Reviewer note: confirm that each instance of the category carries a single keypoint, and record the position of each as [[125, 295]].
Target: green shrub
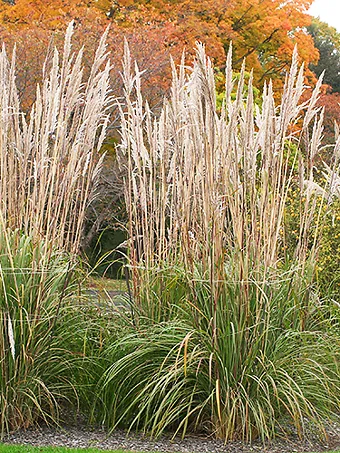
[[325, 229]]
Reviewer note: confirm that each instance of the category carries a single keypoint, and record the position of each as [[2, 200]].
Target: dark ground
[[82, 437]]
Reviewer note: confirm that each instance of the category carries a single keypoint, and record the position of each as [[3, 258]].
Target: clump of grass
[[51, 337], [237, 372], [35, 366], [48, 169], [228, 332]]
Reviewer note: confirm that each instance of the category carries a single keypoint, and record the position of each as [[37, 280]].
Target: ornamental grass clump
[[48, 167], [36, 367], [227, 334]]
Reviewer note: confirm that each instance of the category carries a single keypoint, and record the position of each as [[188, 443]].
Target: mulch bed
[[82, 437]]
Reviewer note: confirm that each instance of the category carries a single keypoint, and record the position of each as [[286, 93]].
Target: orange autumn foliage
[[263, 32], [36, 26], [331, 103]]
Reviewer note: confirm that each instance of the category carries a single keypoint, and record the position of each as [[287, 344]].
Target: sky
[[328, 11]]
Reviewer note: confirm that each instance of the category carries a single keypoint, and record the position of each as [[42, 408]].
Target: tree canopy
[[264, 32], [327, 41]]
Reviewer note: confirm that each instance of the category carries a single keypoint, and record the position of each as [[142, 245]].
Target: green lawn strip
[[108, 284], [32, 449]]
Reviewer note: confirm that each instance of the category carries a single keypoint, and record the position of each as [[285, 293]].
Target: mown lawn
[[107, 284]]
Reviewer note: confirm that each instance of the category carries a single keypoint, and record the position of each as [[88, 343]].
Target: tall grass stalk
[[206, 194], [48, 157], [204, 186]]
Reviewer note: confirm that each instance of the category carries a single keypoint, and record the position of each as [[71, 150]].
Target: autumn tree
[[331, 103], [327, 41], [37, 26], [263, 32]]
